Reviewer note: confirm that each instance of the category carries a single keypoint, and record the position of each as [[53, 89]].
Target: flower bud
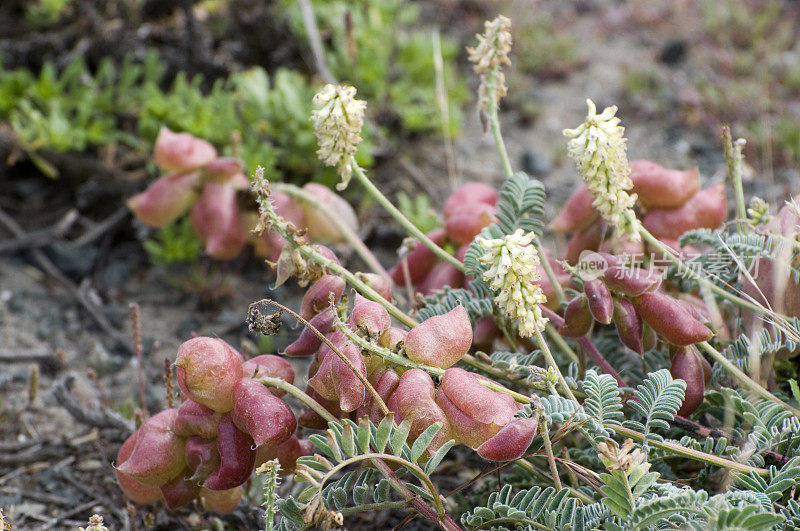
[[378, 283], [687, 367], [158, 454], [317, 296], [217, 221], [707, 209], [599, 299], [319, 225], [476, 413], [441, 340], [202, 456], [134, 490], [385, 382], [287, 453], [180, 490], [670, 319], [335, 381], [441, 275], [181, 152], [631, 281], [208, 369], [236, 455], [473, 193], [578, 213], [271, 366], [622, 244], [196, 419], [467, 220], [511, 441], [166, 199], [629, 325], [420, 261], [221, 501], [658, 187], [262, 415], [413, 400], [577, 317], [392, 338], [221, 169], [369, 317]]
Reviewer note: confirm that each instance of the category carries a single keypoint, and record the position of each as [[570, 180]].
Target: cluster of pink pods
[[670, 202], [468, 411], [209, 187], [227, 425]]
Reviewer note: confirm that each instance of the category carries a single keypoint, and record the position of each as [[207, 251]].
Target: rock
[[673, 52], [75, 262], [535, 164]]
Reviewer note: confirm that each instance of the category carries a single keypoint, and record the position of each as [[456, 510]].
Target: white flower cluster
[[597, 147], [513, 272], [488, 58], [337, 124]]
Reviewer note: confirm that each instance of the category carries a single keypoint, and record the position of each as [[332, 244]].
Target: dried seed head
[[626, 458], [337, 123], [488, 58], [95, 524], [513, 272], [597, 147]]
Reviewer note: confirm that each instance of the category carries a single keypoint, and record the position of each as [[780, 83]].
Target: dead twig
[[99, 418], [50, 268], [41, 237]]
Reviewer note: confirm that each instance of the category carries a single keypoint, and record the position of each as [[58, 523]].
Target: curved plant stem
[[552, 333], [494, 125], [344, 229], [402, 220], [548, 448], [362, 378], [690, 453], [744, 379], [548, 270], [296, 392]]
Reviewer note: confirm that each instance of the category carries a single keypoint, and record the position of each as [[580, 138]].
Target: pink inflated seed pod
[[158, 454], [269, 365], [261, 414], [166, 199], [196, 419], [578, 213], [392, 338], [577, 317], [236, 454], [369, 317], [707, 209], [599, 299], [467, 221], [287, 453], [180, 152], [317, 297], [320, 227], [658, 187], [180, 490], [511, 441], [134, 490], [441, 275], [217, 221], [474, 193], [687, 366], [336, 381], [202, 456], [378, 283], [222, 169], [442, 340], [208, 369], [475, 412], [670, 319], [413, 400], [629, 325]]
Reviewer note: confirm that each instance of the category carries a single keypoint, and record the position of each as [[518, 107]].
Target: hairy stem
[[344, 229], [402, 220], [548, 448]]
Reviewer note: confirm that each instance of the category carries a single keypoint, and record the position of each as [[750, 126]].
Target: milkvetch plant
[[609, 389]]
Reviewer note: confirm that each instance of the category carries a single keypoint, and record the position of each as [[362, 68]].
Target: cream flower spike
[[488, 58], [597, 147], [337, 124], [513, 272]]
